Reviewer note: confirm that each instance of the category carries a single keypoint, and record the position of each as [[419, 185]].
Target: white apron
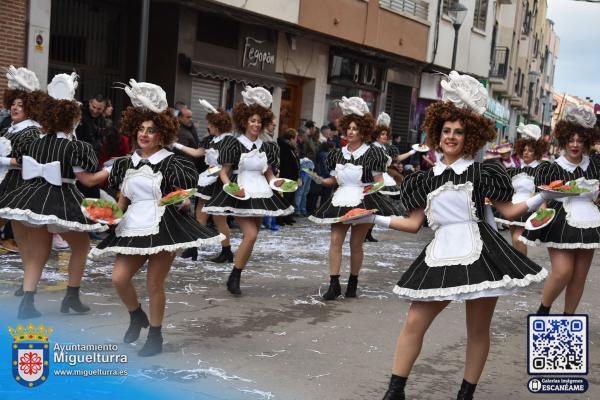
[[350, 190], [251, 174], [524, 187], [581, 210], [211, 157]]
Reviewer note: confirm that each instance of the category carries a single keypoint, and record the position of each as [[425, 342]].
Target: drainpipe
[[143, 50]]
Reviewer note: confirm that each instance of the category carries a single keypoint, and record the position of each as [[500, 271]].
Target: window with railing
[[480, 14], [526, 19], [447, 4], [417, 8], [499, 62]]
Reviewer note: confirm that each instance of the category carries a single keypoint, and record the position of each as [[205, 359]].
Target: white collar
[[217, 139], [249, 143], [569, 166], [459, 166], [377, 144], [533, 164], [22, 125], [62, 135], [356, 153], [153, 159]]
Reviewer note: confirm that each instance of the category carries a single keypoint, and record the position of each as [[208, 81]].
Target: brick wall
[[13, 36]]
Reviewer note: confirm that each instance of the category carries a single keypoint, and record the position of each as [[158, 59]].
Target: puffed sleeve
[[495, 184], [546, 172], [181, 173], [378, 160], [83, 156], [272, 150], [413, 191], [392, 151], [230, 152], [331, 160], [117, 173], [513, 171], [20, 144]]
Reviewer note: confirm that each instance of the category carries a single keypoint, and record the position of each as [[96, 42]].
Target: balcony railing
[[500, 63], [417, 8]]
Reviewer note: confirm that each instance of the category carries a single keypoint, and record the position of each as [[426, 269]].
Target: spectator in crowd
[[108, 112], [114, 144], [321, 168], [306, 164], [187, 134], [289, 167], [93, 123], [334, 137]]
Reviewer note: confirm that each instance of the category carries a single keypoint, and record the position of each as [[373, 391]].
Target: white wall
[[286, 10], [39, 24]]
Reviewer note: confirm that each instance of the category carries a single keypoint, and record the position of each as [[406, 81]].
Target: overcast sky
[[577, 23]]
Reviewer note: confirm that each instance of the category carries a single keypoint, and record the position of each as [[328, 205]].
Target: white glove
[[178, 146], [107, 168], [5, 160], [413, 151], [378, 220]]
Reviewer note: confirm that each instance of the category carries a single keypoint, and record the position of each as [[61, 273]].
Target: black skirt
[[327, 213]]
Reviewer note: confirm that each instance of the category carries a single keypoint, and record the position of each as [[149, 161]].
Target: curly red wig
[[30, 107], [167, 125], [539, 147], [479, 130], [220, 120], [365, 124], [563, 131], [243, 112], [59, 116], [379, 130]]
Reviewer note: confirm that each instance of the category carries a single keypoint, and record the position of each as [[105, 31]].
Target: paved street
[[280, 341]]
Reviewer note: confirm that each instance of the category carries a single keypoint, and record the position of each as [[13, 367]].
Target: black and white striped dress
[[20, 136], [520, 177], [467, 258], [38, 202], [366, 161], [265, 203], [578, 231], [174, 229], [206, 192], [391, 188]]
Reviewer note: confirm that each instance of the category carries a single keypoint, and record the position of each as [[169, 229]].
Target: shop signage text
[[256, 54]]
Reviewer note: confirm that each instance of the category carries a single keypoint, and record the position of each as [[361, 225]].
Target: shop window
[[480, 14], [214, 29]]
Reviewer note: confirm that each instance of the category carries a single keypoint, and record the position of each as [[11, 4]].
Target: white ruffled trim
[[32, 218], [554, 245], [382, 191], [247, 212], [323, 221], [466, 292], [468, 187], [582, 224], [95, 252], [507, 222], [202, 196]]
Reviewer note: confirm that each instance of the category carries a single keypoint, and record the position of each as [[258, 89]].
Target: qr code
[[557, 344]]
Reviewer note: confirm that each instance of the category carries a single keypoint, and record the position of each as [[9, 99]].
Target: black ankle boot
[[224, 256], [233, 283], [19, 292], [137, 320], [466, 391], [369, 237], [192, 253], [27, 308], [72, 301], [396, 388], [154, 342], [352, 285], [543, 310], [334, 288]]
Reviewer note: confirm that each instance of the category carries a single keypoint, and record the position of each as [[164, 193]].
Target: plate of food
[[212, 171], [540, 219], [177, 196], [372, 188], [356, 213], [236, 191], [283, 185], [567, 189], [420, 147], [102, 211]]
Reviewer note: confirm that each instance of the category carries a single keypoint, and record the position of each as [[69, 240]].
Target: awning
[[227, 73]]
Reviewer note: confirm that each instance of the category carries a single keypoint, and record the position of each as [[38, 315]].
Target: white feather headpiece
[[208, 107], [22, 79], [63, 86], [465, 92], [147, 96], [353, 105], [257, 95], [531, 131], [383, 119], [582, 116]]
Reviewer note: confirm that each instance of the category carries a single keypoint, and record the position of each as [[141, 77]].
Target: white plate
[[423, 149], [530, 227], [212, 171], [246, 197], [100, 221], [562, 193], [279, 189], [344, 219]]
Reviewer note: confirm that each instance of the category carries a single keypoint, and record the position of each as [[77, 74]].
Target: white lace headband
[[22, 79], [147, 96], [465, 92]]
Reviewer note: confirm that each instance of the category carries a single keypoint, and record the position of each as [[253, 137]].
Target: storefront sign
[[257, 54], [354, 71]]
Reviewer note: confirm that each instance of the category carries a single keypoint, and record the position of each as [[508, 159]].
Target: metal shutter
[[397, 104], [209, 90]]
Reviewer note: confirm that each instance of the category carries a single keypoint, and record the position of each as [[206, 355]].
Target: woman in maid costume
[[48, 201], [148, 231], [248, 162], [219, 128], [467, 260], [352, 167], [575, 231], [529, 148]]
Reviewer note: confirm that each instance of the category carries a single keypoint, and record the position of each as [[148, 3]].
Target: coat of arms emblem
[[30, 354]]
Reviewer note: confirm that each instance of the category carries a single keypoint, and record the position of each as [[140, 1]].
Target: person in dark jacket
[[91, 130], [289, 165]]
